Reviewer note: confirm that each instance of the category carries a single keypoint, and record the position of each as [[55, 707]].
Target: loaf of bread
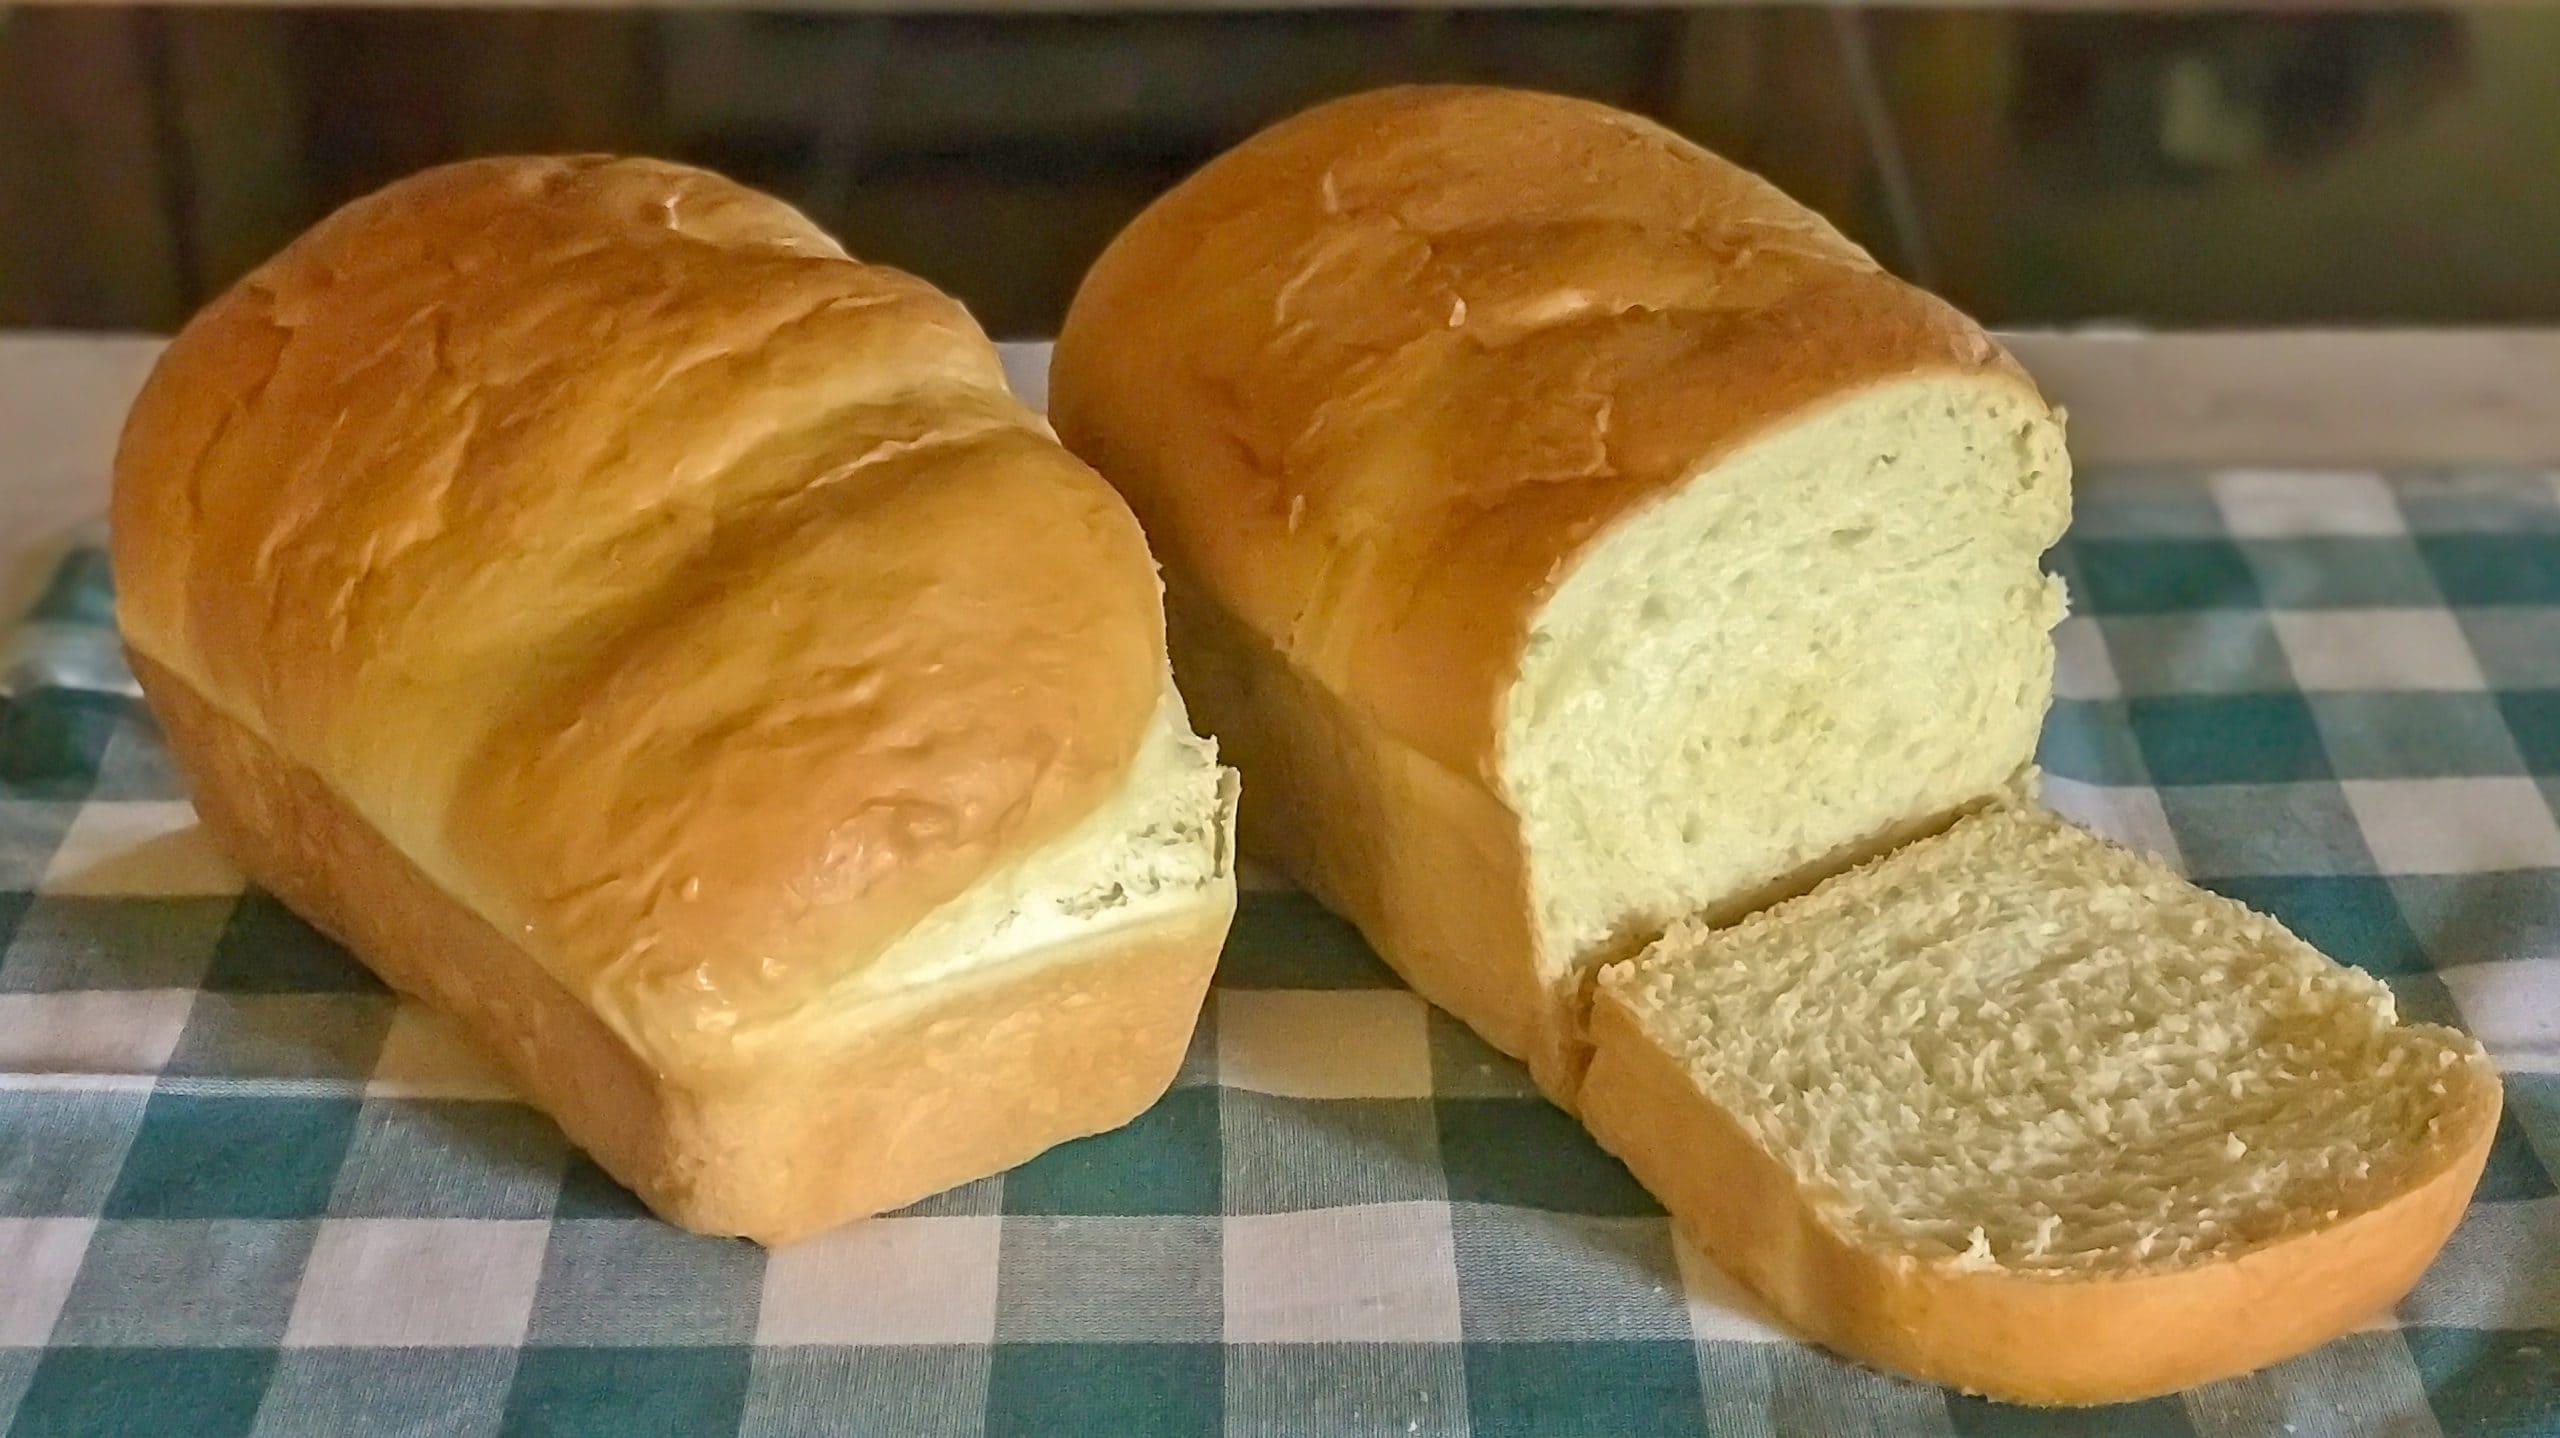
[[1564, 532], [1581, 549], [662, 642], [2016, 1110]]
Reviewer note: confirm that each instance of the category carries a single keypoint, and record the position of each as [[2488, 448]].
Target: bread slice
[[2017, 1110], [1565, 532]]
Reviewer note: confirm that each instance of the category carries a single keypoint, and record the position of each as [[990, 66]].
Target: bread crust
[[2025, 1338], [1426, 862], [959, 1082]]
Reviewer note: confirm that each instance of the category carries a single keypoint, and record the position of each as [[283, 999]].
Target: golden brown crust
[[971, 1080], [2025, 1338], [677, 593], [859, 702], [1426, 863], [1373, 378]]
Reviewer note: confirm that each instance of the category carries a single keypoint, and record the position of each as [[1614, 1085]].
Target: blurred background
[[2169, 167]]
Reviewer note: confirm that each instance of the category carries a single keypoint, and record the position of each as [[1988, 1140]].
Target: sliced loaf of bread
[[2015, 1109], [1564, 531]]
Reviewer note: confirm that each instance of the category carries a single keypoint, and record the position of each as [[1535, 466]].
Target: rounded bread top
[[689, 599], [1376, 376]]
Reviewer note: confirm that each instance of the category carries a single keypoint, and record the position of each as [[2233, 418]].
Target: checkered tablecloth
[[243, 1190]]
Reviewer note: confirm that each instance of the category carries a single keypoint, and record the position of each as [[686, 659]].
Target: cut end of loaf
[[2017, 1048], [1833, 639]]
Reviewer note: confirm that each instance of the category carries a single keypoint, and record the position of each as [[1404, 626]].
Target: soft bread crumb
[[1155, 847], [1724, 656], [2018, 1046]]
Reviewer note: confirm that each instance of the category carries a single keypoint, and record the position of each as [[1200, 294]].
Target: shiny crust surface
[[690, 601]]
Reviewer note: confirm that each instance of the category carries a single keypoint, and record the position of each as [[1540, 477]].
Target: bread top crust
[[689, 599], [1376, 377]]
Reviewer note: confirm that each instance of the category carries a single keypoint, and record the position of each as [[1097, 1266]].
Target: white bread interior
[[1155, 850], [2015, 1109], [661, 640], [1835, 635]]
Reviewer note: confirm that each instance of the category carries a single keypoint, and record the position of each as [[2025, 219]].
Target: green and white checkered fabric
[[243, 1190]]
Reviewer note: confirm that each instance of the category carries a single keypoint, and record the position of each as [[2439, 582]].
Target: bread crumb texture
[[2018, 1047], [1834, 636]]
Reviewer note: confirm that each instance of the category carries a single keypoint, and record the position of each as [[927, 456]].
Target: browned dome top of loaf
[[692, 600], [1375, 376]]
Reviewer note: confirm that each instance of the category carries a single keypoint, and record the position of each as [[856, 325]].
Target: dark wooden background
[[2168, 169]]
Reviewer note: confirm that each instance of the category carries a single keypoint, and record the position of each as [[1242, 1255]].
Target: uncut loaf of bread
[[2017, 1110], [1564, 532], [661, 641]]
